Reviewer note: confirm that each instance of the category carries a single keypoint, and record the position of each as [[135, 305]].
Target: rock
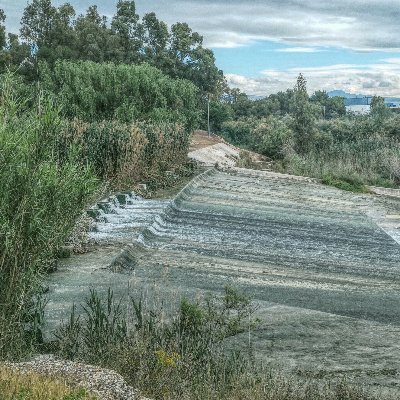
[[127, 259]]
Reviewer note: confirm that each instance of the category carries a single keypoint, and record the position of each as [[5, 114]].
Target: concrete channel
[[322, 265]]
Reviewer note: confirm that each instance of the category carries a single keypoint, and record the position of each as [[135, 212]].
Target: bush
[[239, 132], [345, 183], [271, 136], [175, 354]]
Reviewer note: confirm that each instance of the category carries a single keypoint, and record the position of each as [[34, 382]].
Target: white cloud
[[380, 79], [356, 24], [298, 50]]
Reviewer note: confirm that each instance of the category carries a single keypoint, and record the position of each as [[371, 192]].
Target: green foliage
[[345, 183], [268, 136], [379, 110], [91, 91], [104, 326], [239, 132], [59, 35], [128, 32], [271, 137], [303, 117], [40, 201], [220, 112], [346, 151], [187, 345], [2, 30], [123, 153], [331, 107], [80, 394]]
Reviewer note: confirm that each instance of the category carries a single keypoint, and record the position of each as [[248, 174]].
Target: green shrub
[[271, 136], [239, 132], [345, 183]]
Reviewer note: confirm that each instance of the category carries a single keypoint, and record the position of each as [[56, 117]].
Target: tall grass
[[40, 200], [16, 385], [126, 153]]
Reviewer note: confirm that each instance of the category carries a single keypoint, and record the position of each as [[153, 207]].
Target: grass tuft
[[17, 385], [345, 183]]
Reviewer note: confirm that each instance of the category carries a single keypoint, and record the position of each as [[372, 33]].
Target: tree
[[49, 31], [37, 22], [2, 30], [303, 116], [379, 110], [155, 37], [204, 73], [129, 32], [285, 100], [14, 54], [331, 107], [240, 103], [335, 108], [93, 36], [220, 112], [183, 44]]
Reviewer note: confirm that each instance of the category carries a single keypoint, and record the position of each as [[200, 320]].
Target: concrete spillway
[[322, 264]]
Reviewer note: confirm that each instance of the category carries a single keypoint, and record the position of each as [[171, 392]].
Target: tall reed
[[40, 200]]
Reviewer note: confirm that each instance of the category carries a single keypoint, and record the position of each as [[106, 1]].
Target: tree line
[[50, 33]]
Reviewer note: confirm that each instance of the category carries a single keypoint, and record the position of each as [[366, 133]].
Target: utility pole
[[208, 115]]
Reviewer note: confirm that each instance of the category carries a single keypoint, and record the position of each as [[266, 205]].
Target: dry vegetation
[[16, 385]]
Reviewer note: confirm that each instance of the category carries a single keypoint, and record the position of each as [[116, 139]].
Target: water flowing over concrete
[[323, 265]]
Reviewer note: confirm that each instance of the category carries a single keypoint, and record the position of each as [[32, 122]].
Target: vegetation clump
[[313, 136], [19, 385], [40, 199]]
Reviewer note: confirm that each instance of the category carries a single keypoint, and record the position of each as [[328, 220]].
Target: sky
[[263, 45]]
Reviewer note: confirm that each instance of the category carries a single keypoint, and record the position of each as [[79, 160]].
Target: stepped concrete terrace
[[322, 265]]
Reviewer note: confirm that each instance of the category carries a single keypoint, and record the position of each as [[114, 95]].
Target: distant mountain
[[342, 93], [339, 93]]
